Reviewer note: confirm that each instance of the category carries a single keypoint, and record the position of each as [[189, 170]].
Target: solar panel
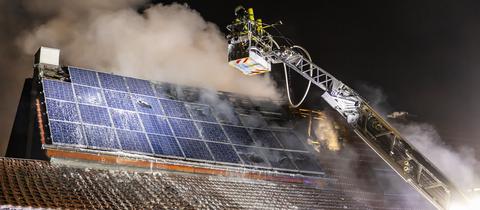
[[58, 90], [125, 120], [83, 77], [212, 132], [252, 156], [226, 115], [165, 90], [265, 138], [110, 112], [223, 152], [195, 149], [265, 104], [201, 112], [239, 100], [94, 115], [61, 110], [66, 133], [133, 141], [112, 82], [155, 124], [184, 128], [279, 159], [165, 145], [305, 161], [147, 105], [253, 120], [139, 86], [278, 123], [189, 94], [119, 100], [174, 108], [101, 137], [89, 95], [289, 140], [238, 135]]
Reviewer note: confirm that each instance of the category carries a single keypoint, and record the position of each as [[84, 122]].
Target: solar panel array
[[109, 112]]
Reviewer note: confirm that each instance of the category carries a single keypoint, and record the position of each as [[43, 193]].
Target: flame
[[326, 132]]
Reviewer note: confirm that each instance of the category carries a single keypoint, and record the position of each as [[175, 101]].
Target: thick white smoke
[[164, 42], [460, 166]]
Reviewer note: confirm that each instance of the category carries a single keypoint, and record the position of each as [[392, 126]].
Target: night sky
[[423, 55]]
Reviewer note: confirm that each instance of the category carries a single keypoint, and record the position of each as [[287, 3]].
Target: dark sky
[[423, 55]]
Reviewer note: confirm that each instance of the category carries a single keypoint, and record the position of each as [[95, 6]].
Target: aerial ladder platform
[[252, 50]]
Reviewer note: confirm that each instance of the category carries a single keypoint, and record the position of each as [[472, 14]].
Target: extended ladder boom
[[376, 132], [252, 50]]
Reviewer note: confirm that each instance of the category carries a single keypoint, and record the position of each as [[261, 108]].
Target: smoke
[[459, 165], [375, 97], [14, 66], [349, 162], [222, 108], [162, 42]]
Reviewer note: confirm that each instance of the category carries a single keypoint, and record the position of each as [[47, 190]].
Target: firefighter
[[241, 20]]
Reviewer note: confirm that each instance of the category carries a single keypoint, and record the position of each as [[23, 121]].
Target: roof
[[101, 112], [90, 165], [40, 184]]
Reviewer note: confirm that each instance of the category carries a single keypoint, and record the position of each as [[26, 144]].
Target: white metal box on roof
[[46, 55]]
